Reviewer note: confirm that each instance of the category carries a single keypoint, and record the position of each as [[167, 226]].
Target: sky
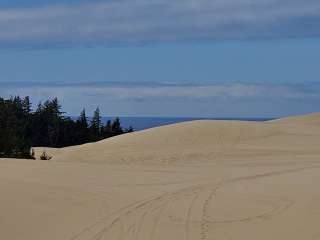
[[190, 58]]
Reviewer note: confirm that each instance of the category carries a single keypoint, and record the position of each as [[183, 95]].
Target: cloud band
[[128, 22]]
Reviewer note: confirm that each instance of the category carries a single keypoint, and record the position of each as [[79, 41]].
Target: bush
[[45, 156]]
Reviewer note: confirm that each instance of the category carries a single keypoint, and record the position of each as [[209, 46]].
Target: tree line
[[22, 128]]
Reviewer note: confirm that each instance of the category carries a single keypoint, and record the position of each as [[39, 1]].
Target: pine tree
[[20, 128], [116, 127], [95, 126], [83, 121], [53, 114], [82, 128], [26, 105]]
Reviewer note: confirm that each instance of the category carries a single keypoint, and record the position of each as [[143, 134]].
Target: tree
[[26, 105], [47, 123], [52, 111], [82, 128], [13, 139], [21, 128], [82, 120], [107, 130], [95, 127], [116, 127]]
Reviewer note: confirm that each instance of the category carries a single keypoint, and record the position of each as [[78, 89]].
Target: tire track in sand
[[144, 208]]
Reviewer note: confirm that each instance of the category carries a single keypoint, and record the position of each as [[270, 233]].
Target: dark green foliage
[[82, 128], [14, 128], [95, 127], [21, 128], [116, 127], [46, 124]]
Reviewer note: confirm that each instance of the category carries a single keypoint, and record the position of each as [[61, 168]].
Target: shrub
[[45, 156]]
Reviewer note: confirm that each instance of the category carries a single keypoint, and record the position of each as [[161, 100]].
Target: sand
[[195, 180]]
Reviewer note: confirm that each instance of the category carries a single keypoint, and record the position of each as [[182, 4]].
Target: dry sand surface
[[201, 180]]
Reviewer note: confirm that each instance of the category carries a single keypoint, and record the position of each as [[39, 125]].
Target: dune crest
[[311, 119], [196, 140]]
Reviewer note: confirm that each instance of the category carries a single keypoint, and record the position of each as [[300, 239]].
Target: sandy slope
[[195, 180]]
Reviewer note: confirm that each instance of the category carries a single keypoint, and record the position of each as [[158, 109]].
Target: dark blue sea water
[[141, 123]]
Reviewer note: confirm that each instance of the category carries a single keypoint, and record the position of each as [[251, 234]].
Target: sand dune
[[310, 119], [194, 180]]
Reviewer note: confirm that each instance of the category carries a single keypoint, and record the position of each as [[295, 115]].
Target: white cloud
[[141, 92], [148, 21], [139, 99]]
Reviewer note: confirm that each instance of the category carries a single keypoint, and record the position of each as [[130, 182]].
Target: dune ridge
[[194, 180], [197, 138]]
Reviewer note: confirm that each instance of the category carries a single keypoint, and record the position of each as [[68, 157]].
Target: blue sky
[[164, 58], [36, 3]]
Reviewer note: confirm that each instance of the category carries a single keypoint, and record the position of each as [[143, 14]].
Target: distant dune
[[194, 180], [311, 119]]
